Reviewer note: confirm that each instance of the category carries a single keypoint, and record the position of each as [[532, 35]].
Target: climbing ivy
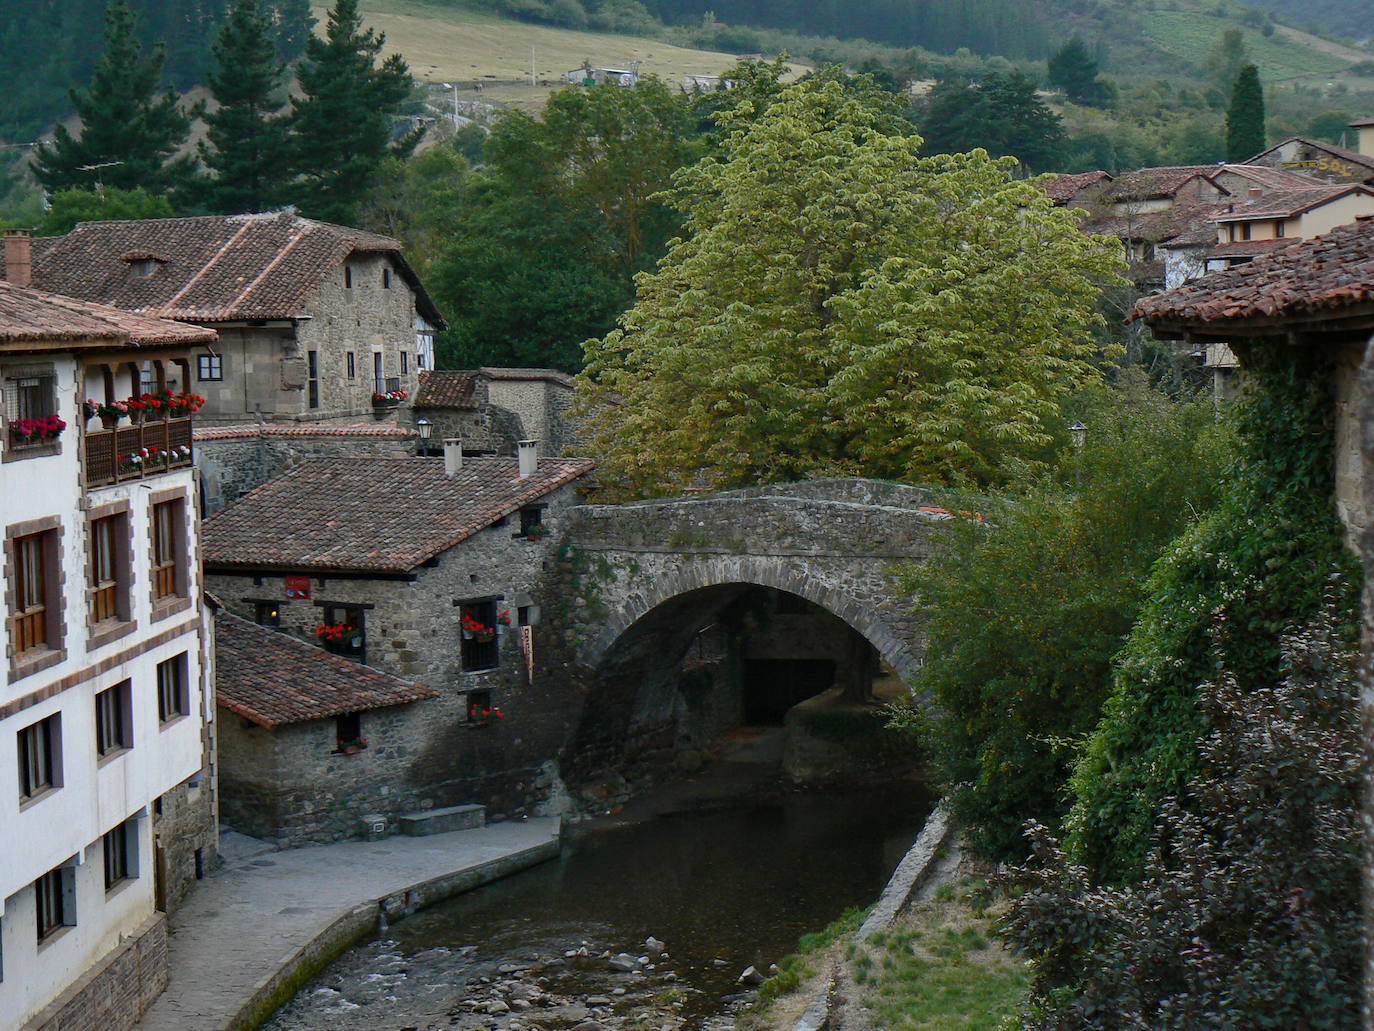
[[1225, 592]]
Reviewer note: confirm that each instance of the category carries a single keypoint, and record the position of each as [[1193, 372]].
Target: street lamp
[[424, 428], [1079, 433]]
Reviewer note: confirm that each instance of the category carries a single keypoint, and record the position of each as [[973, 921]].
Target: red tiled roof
[[447, 388], [1155, 183], [1288, 203], [382, 515], [1250, 248], [1324, 273], [1341, 152], [271, 429], [213, 268], [273, 679], [1160, 226], [549, 375], [1271, 178], [1361, 123], [1064, 188], [28, 315]]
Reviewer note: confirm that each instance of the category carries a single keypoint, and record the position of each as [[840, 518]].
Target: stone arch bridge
[[649, 578]]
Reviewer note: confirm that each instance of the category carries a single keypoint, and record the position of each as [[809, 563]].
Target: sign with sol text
[[298, 587]]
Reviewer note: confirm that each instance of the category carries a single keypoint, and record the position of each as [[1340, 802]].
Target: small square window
[[532, 522], [209, 368], [120, 846], [267, 613], [113, 722], [481, 640], [40, 757], [348, 733], [344, 631], [172, 700], [480, 709], [55, 898]]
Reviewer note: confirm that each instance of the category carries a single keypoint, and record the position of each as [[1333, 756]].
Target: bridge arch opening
[[690, 668]]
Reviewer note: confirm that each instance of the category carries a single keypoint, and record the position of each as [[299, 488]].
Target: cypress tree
[[125, 124], [341, 124], [246, 138], [1245, 135]]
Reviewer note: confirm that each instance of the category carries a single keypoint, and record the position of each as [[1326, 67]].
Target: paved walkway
[[252, 926]]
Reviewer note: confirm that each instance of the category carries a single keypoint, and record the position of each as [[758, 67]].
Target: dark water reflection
[[739, 885]]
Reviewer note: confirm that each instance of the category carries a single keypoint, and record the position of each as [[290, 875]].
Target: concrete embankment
[[250, 936]]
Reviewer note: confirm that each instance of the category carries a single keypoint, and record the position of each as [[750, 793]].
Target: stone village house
[[312, 318], [491, 410], [107, 797], [428, 570]]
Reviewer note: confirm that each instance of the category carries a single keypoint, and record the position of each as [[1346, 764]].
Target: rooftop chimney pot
[[19, 256], [529, 457], [453, 455], [1256, 193]]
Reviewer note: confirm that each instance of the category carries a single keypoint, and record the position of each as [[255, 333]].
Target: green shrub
[[1248, 914]]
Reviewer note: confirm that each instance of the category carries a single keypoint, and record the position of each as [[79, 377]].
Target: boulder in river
[[654, 946], [751, 976], [623, 963]]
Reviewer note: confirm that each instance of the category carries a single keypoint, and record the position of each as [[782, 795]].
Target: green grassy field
[[443, 42], [1280, 57]]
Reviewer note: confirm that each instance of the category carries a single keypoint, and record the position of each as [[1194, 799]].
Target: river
[[725, 887]]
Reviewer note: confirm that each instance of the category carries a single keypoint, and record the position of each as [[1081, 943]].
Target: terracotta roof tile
[[1244, 248], [1269, 178], [212, 268], [1288, 203], [1064, 188], [385, 515], [447, 388], [296, 430], [274, 679], [1355, 157], [1317, 275], [35, 315], [1155, 183], [550, 375], [1160, 226]]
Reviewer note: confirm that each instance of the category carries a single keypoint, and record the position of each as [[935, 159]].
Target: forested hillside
[[54, 42]]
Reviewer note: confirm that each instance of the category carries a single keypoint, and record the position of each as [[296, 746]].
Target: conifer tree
[[246, 136], [1245, 117], [293, 22], [341, 124], [1072, 68], [125, 125]]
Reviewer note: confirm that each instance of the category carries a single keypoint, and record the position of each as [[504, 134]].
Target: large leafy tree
[[245, 135], [839, 304], [127, 127], [1245, 117], [341, 124], [68, 207]]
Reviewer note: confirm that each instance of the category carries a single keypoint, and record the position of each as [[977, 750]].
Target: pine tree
[[1074, 70], [293, 22], [341, 124], [1245, 135], [245, 135], [125, 126]]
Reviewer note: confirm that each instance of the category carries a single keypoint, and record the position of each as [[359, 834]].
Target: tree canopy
[[839, 304], [341, 123], [128, 129], [1073, 69], [1001, 114], [1245, 136]]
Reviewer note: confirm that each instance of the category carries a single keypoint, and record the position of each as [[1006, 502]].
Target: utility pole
[[532, 76]]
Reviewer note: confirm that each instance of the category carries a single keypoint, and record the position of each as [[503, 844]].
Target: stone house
[[106, 737], [1317, 293], [312, 318], [491, 409], [436, 570], [1325, 161], [309, 741]]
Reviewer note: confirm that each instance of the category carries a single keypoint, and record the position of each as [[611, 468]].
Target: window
[[267, 613], [532, 521], [32, 578], [172, 703], [113, 726], [481, 647], [405, 364], [479, 707], [344, 631], [378, 380], [30, 394], [1245, 231], [312, 363], [386, 279], [209, 368], [55, 895], [121, 854], [348, 277], [1280, 227], [351, 360], [168, 545], [40, 759], [109, 567], [348, 732]]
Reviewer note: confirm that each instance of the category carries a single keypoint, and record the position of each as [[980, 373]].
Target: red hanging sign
[[298, 587]]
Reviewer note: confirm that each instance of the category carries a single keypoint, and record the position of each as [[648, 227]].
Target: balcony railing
[[135, 452]]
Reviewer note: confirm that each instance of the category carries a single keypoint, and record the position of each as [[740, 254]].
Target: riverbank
[[249, 936]]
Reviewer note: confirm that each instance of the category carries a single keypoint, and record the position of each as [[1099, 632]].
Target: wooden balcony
[[111, 454]]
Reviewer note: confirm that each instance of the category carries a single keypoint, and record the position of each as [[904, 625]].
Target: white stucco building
[[103, 698]]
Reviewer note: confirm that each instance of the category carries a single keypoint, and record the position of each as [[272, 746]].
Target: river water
[[725, 888]]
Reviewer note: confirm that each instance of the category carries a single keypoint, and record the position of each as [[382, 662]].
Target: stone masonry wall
[[114, 993], [424, 754]]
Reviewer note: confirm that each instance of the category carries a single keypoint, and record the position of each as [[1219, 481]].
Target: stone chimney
[[529, 457], [1365, 128], [19, 256], [453, 455], [1255, 193]]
